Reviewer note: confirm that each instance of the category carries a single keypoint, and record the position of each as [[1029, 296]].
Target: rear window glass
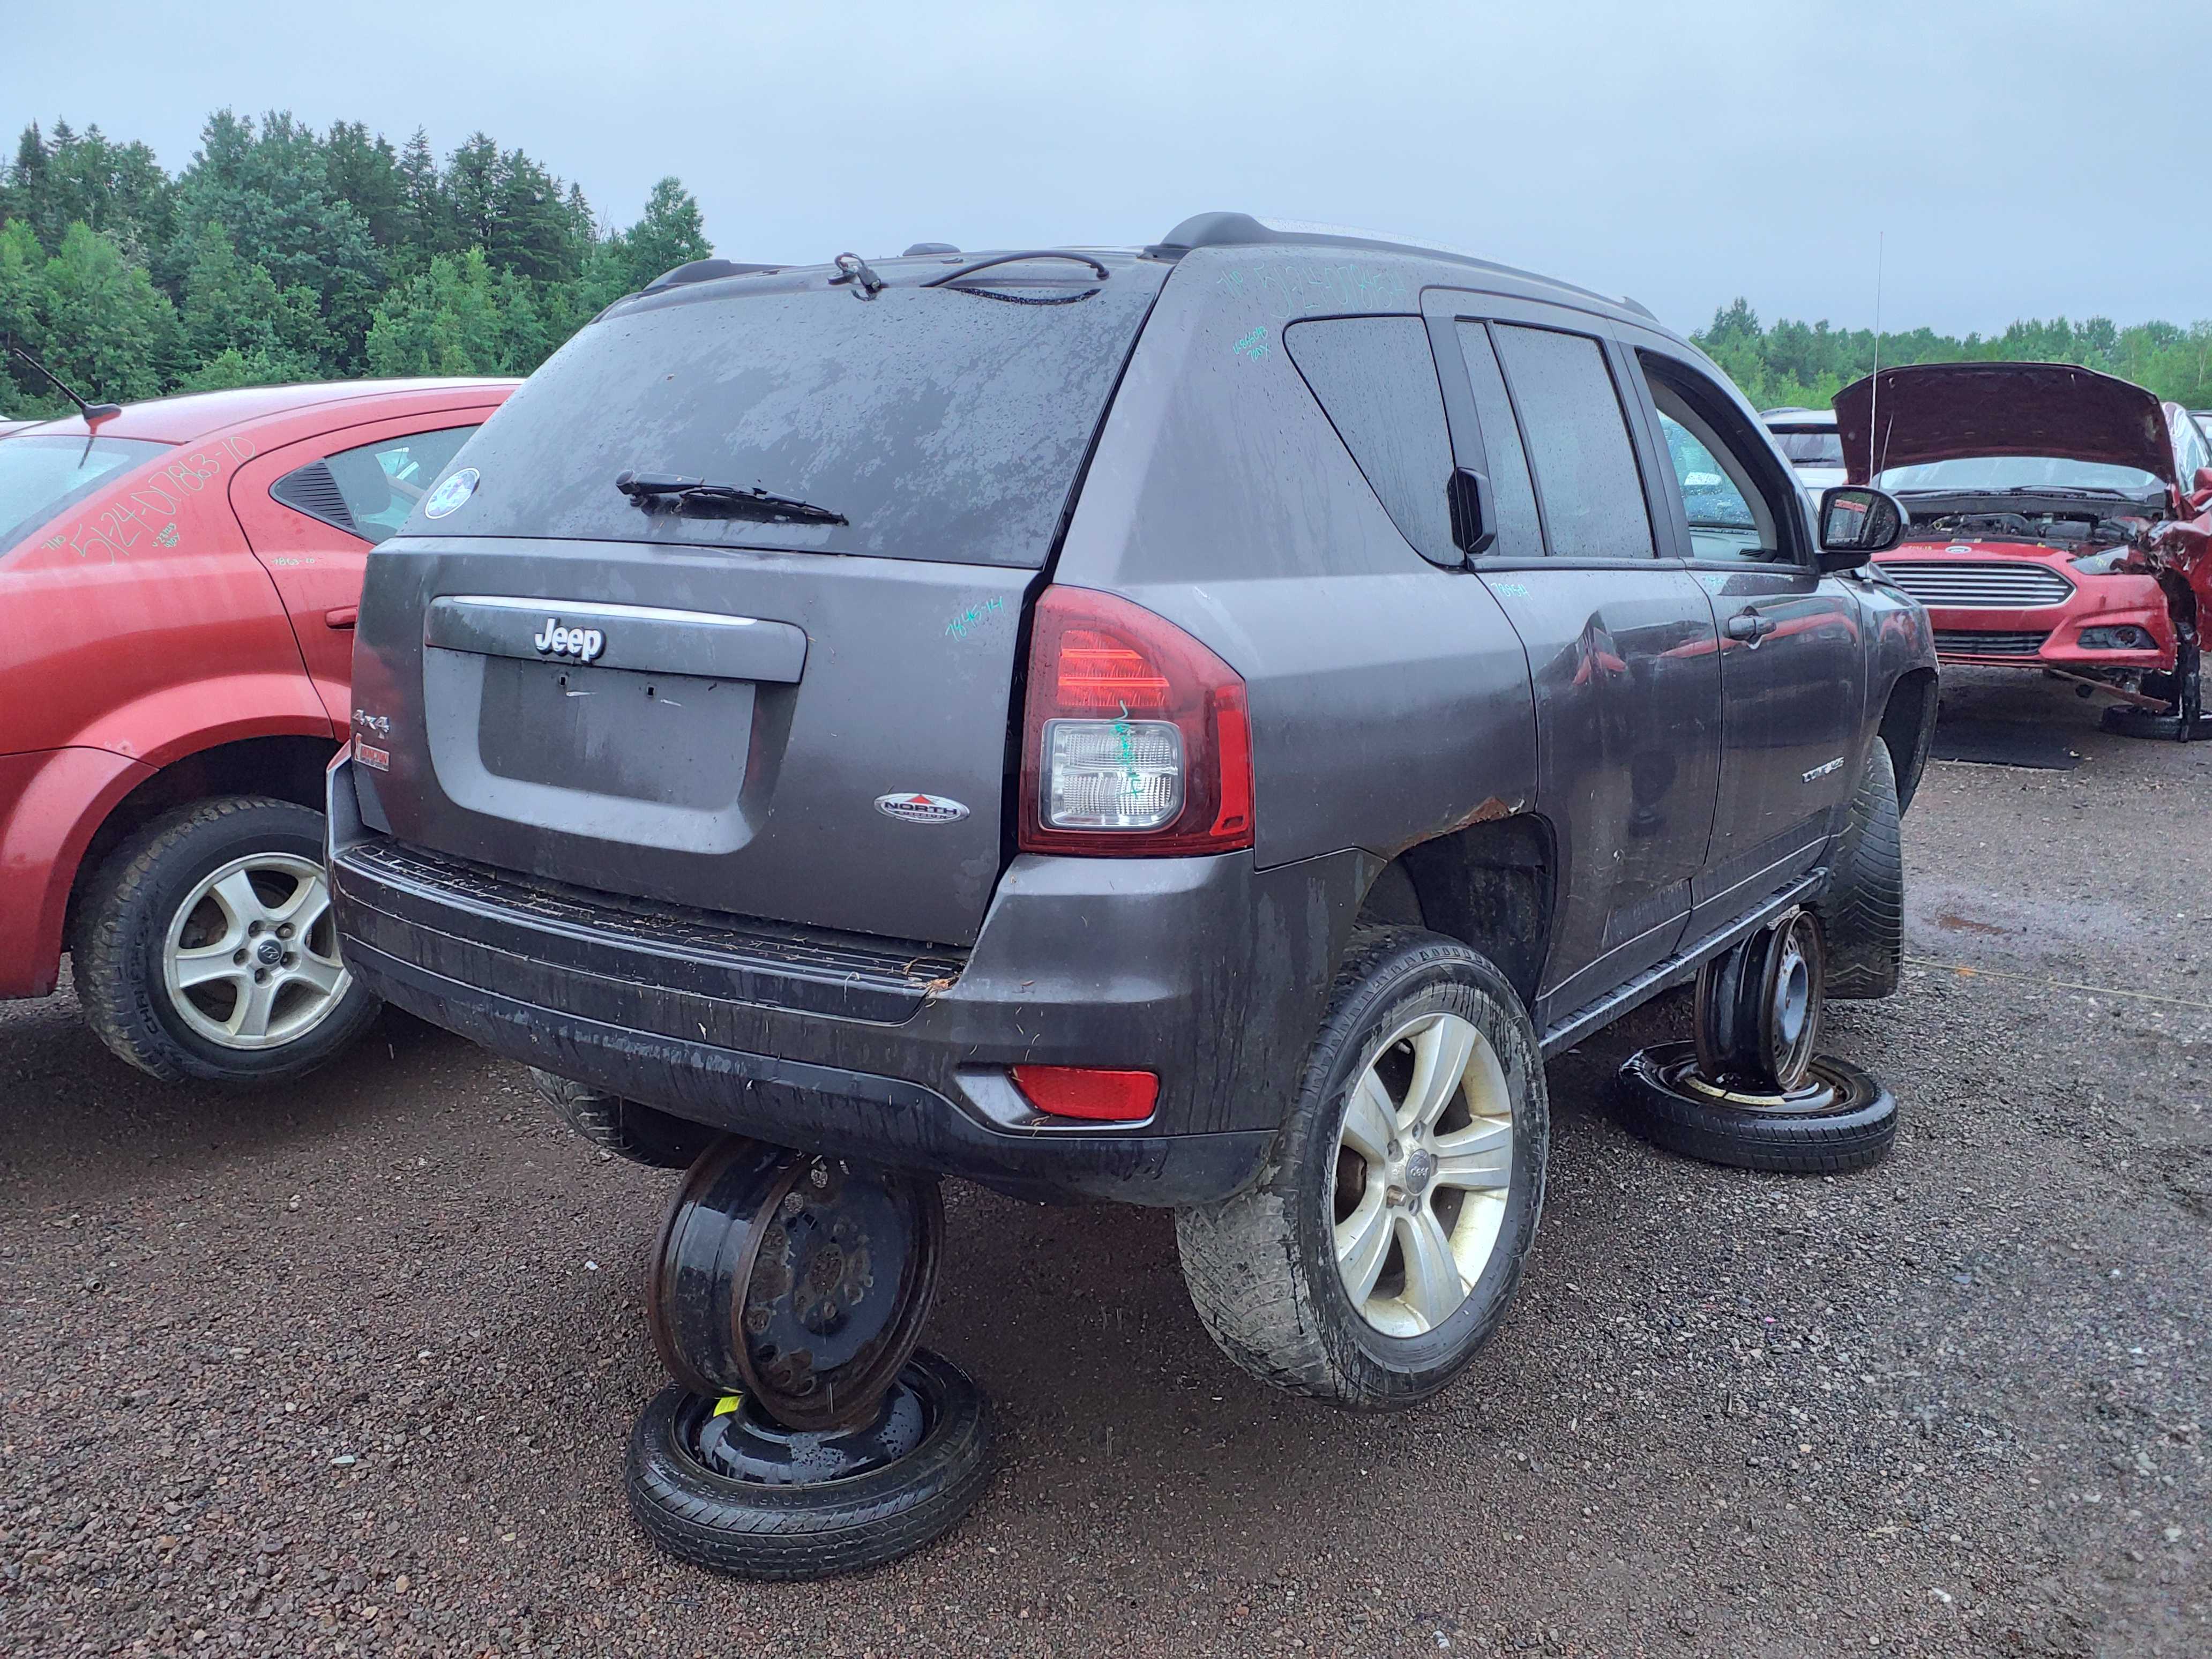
[[945, 423], [1811, 448], [42, 475], [1377, 380], [1578, 446]]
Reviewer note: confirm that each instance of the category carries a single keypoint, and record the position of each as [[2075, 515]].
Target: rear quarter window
[[1375, 379]]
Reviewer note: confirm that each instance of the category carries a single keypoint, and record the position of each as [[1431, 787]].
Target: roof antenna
[[93, 413], [1874, 402]]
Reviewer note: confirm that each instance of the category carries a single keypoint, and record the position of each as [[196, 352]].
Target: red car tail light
[[1089, 1091], [1136, 741]]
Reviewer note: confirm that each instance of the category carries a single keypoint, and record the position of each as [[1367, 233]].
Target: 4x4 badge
[[920, 809]]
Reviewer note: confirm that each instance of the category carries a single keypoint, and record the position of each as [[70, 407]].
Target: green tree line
[[281, 254], [1806, 364]]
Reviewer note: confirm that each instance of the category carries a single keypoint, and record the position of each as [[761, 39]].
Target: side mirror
[[1473, 520], [1856, 524], [2200, 489]]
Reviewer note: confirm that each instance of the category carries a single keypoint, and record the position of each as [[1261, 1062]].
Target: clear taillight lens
[[1112, 775]]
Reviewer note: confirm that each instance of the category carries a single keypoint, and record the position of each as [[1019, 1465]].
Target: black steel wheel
[[1838, 1118], [726, 1487], [800, 1281], [1759, 1005]]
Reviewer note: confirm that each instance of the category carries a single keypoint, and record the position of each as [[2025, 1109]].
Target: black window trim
[[324, 462], [1635, 347], [1446, 308]]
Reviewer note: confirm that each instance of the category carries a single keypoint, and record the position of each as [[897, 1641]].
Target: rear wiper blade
[[664, 492]]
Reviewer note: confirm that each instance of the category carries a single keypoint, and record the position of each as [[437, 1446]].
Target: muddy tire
[[1854, 1128], [1290, 1277], [154, 914], [817, 1528], [1862, 908], [643, 1135]]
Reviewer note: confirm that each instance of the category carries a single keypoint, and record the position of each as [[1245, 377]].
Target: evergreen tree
[[364, 173], [108, 330], [445, 321], [672, 232], [426, 215]]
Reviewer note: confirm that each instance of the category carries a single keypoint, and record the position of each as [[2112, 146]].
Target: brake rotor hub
[[800, 1282]]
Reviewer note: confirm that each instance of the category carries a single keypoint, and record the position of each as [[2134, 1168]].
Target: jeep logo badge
[[920, 809], [585, 643]]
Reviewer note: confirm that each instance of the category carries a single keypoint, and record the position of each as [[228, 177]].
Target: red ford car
[[2029, 486], [178, 584]]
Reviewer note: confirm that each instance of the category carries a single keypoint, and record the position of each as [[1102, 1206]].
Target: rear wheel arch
[[1490, 886], [283, 768]]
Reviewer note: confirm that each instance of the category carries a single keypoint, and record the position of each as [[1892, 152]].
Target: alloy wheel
[[250, 960], [1424, 1163]]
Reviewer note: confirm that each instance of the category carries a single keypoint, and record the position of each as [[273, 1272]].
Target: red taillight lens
[[1087, 1091], [1136, 741]]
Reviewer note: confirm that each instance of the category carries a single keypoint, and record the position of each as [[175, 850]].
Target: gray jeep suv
[[1194, 725]]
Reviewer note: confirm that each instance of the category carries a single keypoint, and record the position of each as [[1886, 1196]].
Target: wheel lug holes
[[239, 957], [260, 976], [1396, 1151], [289, 958], [285, 931], [252, 928]]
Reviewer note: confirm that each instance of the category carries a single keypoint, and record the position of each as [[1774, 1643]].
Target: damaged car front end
[[2062, 520]]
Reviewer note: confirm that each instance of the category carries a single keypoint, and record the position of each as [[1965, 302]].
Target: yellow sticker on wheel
[[728, 1403]]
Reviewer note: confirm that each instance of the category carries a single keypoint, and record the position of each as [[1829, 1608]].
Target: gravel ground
[[348, 1370]]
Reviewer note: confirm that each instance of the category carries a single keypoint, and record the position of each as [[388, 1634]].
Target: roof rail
[[702, 271], [1243, 230]]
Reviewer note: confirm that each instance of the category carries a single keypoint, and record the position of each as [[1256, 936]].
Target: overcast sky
[[2023, 158]]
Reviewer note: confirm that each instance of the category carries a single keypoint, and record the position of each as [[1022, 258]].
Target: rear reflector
[[1085, 1091]]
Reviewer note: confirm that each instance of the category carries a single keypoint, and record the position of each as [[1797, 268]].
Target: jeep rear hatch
[[771, 674]]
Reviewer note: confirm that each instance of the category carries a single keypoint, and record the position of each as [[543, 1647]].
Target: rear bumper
[[1207, 971]]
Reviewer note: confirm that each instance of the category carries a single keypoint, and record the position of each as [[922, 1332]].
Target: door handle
[[344, 616], [1750, 627]]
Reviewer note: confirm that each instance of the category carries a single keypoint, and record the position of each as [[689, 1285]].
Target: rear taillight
[[1135, 739]]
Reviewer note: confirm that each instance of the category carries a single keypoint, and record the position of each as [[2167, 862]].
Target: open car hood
[[1948, 412]]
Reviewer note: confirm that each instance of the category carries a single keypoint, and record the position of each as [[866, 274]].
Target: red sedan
[[2031, 486], [178, 584]]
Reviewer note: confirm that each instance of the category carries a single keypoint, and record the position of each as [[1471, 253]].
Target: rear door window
[[1375, 380], [1810, 446], [1579, 444]]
